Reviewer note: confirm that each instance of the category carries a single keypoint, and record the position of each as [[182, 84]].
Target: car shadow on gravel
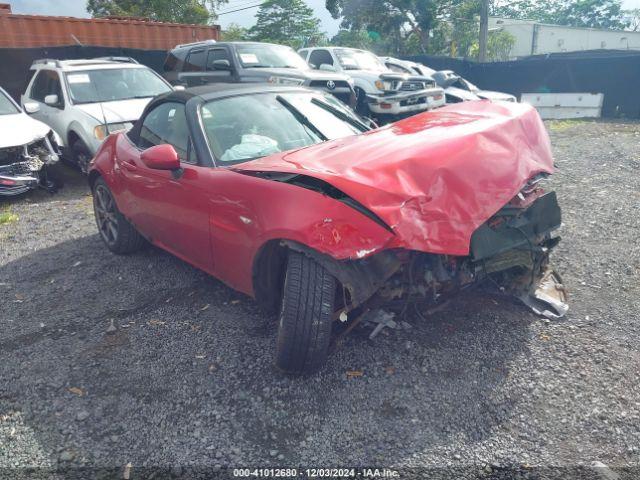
[[187, 376]]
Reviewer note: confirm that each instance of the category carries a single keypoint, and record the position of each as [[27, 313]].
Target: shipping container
[[45, 31]]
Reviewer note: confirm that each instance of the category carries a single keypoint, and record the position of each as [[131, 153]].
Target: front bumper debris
[[23, 168], [509, 254], [548, 298]]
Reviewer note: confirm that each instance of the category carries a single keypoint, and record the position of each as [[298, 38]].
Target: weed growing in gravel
[[7, 217], [559, 125]]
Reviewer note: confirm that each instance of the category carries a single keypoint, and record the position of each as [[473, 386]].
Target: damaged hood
[[20, 129], [495, 96], [433, 178], [117, 111], [464, 95]]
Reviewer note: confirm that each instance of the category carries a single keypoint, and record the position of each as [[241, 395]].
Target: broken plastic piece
[[549, 298], [382, 319]]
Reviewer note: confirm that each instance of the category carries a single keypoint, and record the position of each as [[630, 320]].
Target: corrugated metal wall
[[29, 31], [15, 74]]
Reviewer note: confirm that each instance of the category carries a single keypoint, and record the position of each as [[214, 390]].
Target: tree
[[289, 22], [394, 19], [235, 33], [178, 11], [632, 18], [353, 38], [574, 13]]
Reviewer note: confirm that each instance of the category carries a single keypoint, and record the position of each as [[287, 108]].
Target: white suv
[[379, 90], [84, 101]]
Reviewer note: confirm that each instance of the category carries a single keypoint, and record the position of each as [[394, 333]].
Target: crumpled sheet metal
[[549, 298], [435, 177]]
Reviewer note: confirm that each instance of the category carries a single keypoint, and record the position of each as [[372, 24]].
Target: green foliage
[[395, 20], [575, 13], [632, 18], [235, 33], [288, 22], [354, 39], [499, 45], [7, 217], [177, 11]]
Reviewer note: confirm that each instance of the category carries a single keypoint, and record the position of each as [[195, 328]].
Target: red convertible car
[[286, 195]]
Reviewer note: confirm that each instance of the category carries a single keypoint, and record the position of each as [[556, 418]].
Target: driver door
[[47, 82], [170, 207]]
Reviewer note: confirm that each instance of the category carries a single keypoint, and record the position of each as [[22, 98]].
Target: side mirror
[[52, 100], [161, 157], [327, 68], [221, 65], [178, 88], [31, 107]]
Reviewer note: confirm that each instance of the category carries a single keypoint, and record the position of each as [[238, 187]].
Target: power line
[[240, 9]]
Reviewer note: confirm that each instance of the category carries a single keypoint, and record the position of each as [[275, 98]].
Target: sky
[[245, 18]]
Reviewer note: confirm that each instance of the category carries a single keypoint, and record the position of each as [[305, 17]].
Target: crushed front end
[[24, 167], [509, 253]]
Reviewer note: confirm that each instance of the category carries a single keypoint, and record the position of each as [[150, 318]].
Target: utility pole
[[484, 30]]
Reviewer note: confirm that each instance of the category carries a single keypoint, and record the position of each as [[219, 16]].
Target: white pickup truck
[[379, 90]]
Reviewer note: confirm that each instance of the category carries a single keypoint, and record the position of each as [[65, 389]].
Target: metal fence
[[615, 73]]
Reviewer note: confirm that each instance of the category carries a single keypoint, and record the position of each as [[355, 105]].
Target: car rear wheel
[[117, 233], [306, 314], [362, 107]]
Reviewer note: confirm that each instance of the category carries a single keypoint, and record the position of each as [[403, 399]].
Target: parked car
[[85, 100], [285, 195], [206, 62], [456, 88], [379, 90], [27, 148]]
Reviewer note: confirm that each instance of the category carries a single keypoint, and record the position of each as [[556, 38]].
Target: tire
[[362, 107], [116, 232], [306, 316], [81, 156]]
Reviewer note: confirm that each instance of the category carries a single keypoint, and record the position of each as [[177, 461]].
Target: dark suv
[[200, 63]]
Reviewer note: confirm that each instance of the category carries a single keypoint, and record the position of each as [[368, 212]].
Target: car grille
[[17, 169], [412, 86], [10, 155], [323, 84]]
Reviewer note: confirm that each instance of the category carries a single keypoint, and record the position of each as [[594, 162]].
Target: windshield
[[246, 127], [359, 60], [422, 70], [107, 85], [7, 107], [269, 56], [465, 85]]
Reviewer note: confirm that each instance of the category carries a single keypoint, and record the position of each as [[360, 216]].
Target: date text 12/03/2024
[[315, 473]]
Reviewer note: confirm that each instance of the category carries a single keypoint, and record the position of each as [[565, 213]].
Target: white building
[[534, 38]]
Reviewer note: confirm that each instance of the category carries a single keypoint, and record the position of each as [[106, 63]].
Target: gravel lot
[[187, 380]]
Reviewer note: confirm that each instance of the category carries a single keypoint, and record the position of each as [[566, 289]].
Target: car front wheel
[[81, 156], [117, 233], [306, 314]]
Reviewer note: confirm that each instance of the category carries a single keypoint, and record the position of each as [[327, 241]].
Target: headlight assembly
[[101, 131], [285, 81]]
